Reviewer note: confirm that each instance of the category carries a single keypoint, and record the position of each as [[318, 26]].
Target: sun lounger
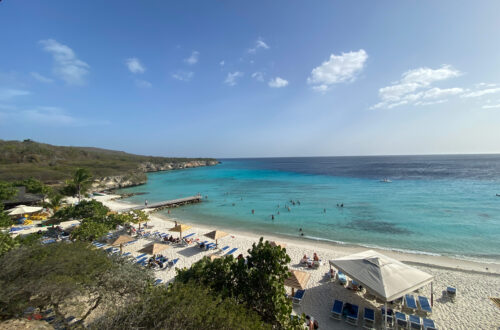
[[369, 318], [233, 250], [424, 305], [352, 313], [410, 302], [141, 260], [336, 312], [200, 243], [126, 254], [297, 298], [130, 243], [401, 320], [415, 322], [451, 292], [390, 316], [210, 246], [225, 248], [429, 324], [342, 278], [140, 256], [158, 281], [187, 236], [49, 241], [173, 262]]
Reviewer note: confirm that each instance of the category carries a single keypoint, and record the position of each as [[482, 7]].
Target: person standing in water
[[146, 202]]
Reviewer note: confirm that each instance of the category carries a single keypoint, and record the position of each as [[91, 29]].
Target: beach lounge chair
[[141, 260], [173, 262], [158, 281], [126, 254], [401, 320], [130, 243], [187, 236], [224, 248], [415, 322], [336, 312], [429, 324], [342, 278], [297, 298], [390, 317], [451, 292], [48, 241], [210, 246], [140, 256], [352, 313], [200, 243], [424, 305], [233, 250], [369, 318], [410, 302]]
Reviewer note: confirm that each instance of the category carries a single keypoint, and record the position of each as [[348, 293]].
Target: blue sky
[[253, 78]]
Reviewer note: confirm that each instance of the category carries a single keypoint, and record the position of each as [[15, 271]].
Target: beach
[[475, 281]]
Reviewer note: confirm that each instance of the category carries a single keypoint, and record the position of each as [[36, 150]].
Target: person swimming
[[272, 216]]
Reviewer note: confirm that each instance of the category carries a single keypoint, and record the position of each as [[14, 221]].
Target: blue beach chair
[[342, 278], [141, 260], [410, 302], [140, 256], [424, 305], [415, 322], [158, 281], [401, 320], [429, 324], [49, 241], [352, 314], [233, 250], [389, 316], [173, 262], [297, 298], [187, 236], [126, 254], [210, 246], [369, 318], [337, 308], [225, 248]]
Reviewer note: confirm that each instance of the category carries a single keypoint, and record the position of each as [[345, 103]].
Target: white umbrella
[[23, 209]]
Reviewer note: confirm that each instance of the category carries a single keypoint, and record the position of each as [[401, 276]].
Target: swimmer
[[342, 205], [253, 211], [278, 212], [324, 210], [272, 216]]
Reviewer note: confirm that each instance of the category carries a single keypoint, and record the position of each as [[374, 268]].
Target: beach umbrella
[[154, 248], [23, 209], [385, 277], [122, 239], [274, 243], [213, 257], [297, 280], [216, 235], [180, 228]]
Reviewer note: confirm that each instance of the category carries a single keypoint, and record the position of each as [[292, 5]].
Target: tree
[[7, 191], [5, 220], [35, 186], [7, 243], [81, 181], [58, 275], [55, 202], [90, 230], [139, 216], [182, 306], [257, 281], [83, 210]]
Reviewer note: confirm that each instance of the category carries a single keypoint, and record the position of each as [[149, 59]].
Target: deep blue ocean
[[443, 205]]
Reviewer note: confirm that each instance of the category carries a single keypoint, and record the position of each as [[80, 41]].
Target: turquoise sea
[[443, 205]]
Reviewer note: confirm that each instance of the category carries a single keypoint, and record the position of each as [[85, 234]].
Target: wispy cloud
[[135, 65], [9, 93], [259, 76], [222, 63], [491, 106], [46, 115], [415, 87], [277, 82], [259, 44], [143, 83], [193, 59], [338, 69], [183, 75], [482, 92], [67, 66], [232, 78], [41, 78]]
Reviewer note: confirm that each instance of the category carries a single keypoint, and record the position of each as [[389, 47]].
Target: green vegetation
[[86, 209], [7, 191], [90, 230], [48, 163], [258, 282], [182, 306], [5, 220]]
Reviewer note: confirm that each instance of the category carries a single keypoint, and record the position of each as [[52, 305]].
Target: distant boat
[[385, 180], [498, 195]]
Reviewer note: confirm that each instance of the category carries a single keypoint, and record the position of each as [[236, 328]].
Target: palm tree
[[55, 202], [81, 180]]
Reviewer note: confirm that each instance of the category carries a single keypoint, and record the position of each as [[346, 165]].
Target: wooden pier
[[167, 204]]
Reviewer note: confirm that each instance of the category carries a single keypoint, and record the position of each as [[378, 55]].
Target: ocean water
[[444, 205]]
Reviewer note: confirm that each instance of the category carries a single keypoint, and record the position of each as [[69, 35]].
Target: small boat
[[498, 195], [385, 180]]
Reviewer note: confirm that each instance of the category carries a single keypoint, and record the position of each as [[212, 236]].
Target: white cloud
[[66, 65], [277, 82], [41, 78], [143, 83], [135, 65], [491, 106], [183, 75], [338, 69], [48, 115], [232, 78], [259, 44], [9, 93], [259, 76], [414, 87], [193, 59], [482, 92], [222, 63]]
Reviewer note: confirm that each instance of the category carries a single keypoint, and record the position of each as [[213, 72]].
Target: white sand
[[475, 282]]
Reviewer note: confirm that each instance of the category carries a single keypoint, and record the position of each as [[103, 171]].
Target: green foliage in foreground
[[34, 186], [90, 230], [7, 191], [182, 306], [86, 209], [55, 275], [5, 220], [7, 243], [258, 283]]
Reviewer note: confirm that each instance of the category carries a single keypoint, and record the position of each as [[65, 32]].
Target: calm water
[[435, 204]]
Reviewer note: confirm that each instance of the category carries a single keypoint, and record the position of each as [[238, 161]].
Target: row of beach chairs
[[401, 320], [423, 304]]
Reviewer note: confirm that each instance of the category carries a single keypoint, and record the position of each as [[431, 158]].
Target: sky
[[237, 78]]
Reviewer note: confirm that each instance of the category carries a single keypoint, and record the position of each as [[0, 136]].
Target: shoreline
[[426, 260]]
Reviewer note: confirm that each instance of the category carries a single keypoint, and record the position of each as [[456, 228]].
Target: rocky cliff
[[139, 177]]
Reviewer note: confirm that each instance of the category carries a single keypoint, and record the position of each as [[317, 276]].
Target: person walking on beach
[[146, 203]]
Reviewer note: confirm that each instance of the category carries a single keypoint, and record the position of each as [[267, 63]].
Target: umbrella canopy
[[122, 239], [180, 228], [274, 243], [216, 235], [387, 278], [154, 248], [298, 280], [213, 257], [23, 209]]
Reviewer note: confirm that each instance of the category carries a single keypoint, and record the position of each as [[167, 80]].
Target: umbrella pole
[[432, 295], [385, 316]]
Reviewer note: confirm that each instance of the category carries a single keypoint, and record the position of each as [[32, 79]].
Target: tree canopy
[[7, 191]]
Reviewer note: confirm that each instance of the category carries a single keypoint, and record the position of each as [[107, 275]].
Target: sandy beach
[[475, 282]]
